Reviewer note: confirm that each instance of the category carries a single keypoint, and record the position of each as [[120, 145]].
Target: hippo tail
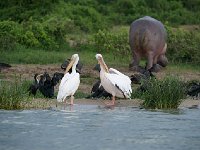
[[143, 41], [140, 40]]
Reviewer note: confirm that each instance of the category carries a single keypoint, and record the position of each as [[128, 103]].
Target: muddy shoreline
[[135, 103]]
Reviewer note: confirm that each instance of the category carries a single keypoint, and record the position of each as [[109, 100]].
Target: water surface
[[87, 127]]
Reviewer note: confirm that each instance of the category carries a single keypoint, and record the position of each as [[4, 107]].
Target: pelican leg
[[112, 103], [72, 100], [113, 100], [65, 103]]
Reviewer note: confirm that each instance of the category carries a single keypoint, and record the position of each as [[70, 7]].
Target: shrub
[[163, 94], [7, 41], [183, 46], [39, 36], [88, 19], [29, 40], [9, 33], [125, 6], [12, 94], [116, 43], [58, 27], [30, 34]]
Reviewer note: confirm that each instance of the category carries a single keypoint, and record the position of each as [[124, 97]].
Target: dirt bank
[[88, 77], [136, 103]]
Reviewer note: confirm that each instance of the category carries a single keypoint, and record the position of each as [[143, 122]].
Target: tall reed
[[13, 93], [162, 94]]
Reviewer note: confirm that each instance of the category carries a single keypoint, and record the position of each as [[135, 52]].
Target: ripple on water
[[90, 127]]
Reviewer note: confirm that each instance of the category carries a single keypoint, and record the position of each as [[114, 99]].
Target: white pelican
[[113, 81], [70, 82]]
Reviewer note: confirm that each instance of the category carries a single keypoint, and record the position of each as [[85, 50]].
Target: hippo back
[[147, 34]]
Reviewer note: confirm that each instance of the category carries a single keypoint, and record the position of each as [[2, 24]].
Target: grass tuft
[[162, 94], [80, 94], [12, 94]]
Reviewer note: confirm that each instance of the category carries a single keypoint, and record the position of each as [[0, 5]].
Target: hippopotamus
[[147, 38]]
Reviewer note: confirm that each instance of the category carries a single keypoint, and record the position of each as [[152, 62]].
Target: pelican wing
[[68, 86], [121, 83], [115, 71]]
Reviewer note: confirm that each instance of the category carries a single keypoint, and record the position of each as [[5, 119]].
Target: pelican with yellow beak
[[113, 81], [70, 82]]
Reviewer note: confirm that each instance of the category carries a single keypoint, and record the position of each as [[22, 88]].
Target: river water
[[89, 127]]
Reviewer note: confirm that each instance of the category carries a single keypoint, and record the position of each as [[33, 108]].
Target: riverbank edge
[[137, 103]]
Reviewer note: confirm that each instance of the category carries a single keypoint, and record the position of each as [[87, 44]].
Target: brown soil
[[27, 72]]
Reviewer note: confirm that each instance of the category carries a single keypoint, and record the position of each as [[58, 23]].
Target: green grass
[[30, 56], [12, 94], [162, 94], [181, 67], [80, 94], [35, 56]]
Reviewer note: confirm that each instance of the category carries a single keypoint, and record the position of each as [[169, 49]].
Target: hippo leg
[[152, 63], [150, 60], [134, 66], [155, 67], [162, 60]]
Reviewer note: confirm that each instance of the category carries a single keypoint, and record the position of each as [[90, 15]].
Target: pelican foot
[[67, 103], [109, 104], [72, 100]]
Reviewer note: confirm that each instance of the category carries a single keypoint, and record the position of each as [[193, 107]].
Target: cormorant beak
[[38, 76]]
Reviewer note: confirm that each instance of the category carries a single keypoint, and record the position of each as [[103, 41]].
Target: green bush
[[183, 46], [58, 27], [30, 34], [23, 10], [7, 41], [116, 43], [88, 19], [125, 6], [118, 12], [9, 35], [162, 94], [12, 94], [29, 40], [47, 24], [38, 36]]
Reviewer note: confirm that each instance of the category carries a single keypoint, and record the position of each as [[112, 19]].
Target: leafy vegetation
[[157, 94], [36, 56], [183, 46], [115, 43], [162, 94], [52, 24], [12, 94], [80, 94]]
